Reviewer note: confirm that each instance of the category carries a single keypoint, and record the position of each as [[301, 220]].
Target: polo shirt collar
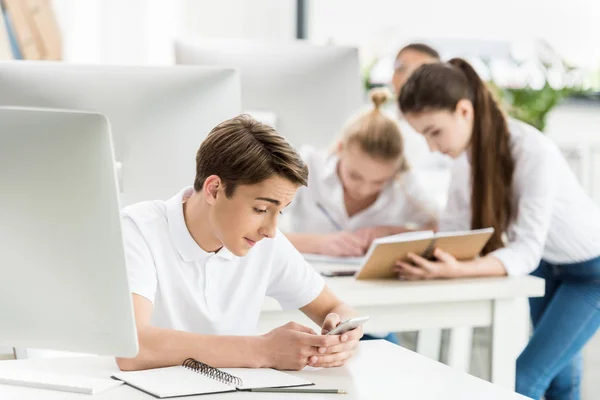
[[183, 241]]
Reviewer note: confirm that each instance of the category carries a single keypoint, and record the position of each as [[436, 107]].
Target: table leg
[[459, 348], [429, 342], [508, 326]]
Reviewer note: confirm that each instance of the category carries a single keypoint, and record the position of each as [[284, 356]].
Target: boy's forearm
[[164, 347], [344, 311]]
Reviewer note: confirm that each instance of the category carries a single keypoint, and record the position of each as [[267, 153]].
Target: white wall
[[576, 125], [119, 32], [573, 26], [141, 31], [267, 19]]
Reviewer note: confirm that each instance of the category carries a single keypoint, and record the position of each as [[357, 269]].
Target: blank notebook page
[[179, 381], [173, 382]]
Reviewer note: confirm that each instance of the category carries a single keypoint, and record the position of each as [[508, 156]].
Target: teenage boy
[[201, 263]]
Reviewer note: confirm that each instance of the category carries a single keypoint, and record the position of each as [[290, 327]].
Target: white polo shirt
[[402, 202], [208, 293], [555, 220]]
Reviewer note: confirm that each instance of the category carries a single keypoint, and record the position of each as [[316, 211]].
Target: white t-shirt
[[555, 219], [402, 202], [208, 293]]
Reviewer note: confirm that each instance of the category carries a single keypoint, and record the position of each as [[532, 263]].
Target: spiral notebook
[[196, 378]]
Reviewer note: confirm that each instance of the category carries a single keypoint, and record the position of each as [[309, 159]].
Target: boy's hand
[[337, 355], [294, 346]]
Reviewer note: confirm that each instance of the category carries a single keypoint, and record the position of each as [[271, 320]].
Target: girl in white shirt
[[509, 176], [361, 191]]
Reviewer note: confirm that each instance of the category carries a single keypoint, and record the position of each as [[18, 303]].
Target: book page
[[464, 233], [405, 237]]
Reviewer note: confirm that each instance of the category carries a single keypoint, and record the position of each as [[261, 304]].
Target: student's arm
[[422, 204], [165, 347], [447, 267], [456, 216], [296, 285], [289, 347], [320, 310], [328, 312], [534, 186], [339, 244]]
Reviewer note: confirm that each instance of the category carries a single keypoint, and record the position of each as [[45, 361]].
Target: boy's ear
[[210, 189]]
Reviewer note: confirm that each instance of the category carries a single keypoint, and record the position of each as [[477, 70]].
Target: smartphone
[[331, 274], [348, 325]]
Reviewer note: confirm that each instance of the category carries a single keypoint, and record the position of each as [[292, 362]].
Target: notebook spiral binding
[[211, 372]]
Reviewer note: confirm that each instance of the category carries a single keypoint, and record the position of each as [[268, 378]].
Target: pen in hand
[[329, 217]]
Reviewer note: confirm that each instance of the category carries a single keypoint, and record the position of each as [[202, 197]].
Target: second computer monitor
[[158, 115], [310, 91]]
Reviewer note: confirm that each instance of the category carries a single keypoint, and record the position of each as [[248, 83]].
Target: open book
[[195, 378], [384, 252]]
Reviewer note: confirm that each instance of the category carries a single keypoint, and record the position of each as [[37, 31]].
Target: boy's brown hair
[[243, 151]]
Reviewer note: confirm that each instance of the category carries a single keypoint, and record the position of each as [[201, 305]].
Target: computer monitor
[[158, 115], [310, 91], [64, 283]]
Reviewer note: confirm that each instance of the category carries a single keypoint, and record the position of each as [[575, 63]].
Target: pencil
[[298, 390], [329, 217]]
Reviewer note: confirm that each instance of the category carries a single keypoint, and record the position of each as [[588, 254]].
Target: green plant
[[530, 105]]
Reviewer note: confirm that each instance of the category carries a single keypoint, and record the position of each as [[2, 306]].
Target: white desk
[[379, 370], [405, 306]]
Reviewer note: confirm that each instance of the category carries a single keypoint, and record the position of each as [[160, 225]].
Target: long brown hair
[[441, 87]]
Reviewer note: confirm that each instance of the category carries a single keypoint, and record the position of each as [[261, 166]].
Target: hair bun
[[380, 96]]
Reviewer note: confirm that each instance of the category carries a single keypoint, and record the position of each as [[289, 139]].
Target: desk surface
[[378, 292], [379, 370]]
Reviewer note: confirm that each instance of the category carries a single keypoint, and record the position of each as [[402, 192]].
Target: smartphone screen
[[330, 274]]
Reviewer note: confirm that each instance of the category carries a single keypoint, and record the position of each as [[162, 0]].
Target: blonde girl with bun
[[360, 190]]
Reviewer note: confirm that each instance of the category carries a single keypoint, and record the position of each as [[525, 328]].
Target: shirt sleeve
[[141, 271], [535, 187], [457, 213], [293, 282], [415, 146], [420, 204]]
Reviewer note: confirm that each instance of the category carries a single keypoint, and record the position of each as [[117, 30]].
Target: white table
[[379, 370], [406, 306]]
